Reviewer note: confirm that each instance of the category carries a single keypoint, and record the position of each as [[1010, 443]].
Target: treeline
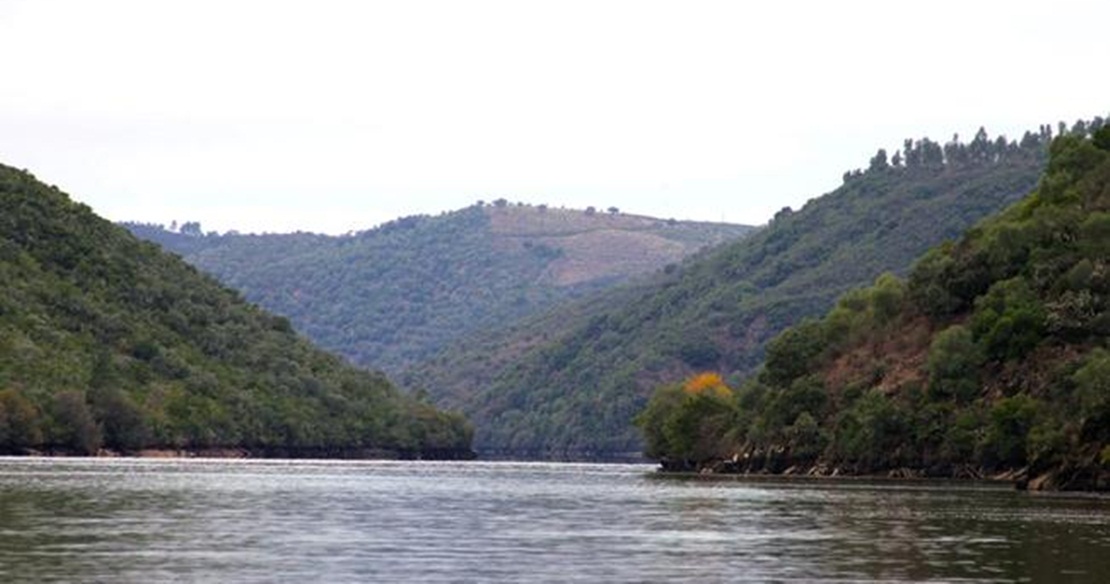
[[991, 356], [108, 342], [571, 390], [926, 155]]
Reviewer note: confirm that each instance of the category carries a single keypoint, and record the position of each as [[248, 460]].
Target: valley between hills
[[544, 330]]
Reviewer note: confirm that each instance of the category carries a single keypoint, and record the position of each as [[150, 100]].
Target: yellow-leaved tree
[[683, 424]]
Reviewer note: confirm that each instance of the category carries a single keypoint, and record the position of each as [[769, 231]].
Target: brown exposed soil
[[600, 245], [895, 360]]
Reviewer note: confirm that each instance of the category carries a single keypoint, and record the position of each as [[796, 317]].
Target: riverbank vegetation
[[990, 357]]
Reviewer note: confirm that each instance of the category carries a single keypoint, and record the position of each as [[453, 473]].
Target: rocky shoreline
[[1090, 478]]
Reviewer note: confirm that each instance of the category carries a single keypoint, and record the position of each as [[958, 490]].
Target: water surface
[[128, 520]]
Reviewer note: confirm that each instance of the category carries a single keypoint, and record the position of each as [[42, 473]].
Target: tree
[[1029, 141], [1009, 320], [878, 161], [954, 365], [1101, 138], [980, 147], [122, 422], [19, 422], [792, 353], [686, 425], [912, 153], [192, 229], [931, 153], [955, 152], [872, 432], [805, 438], [613, 210], [1092, 384], [74, 426], [652, 418], [1003, 148], [886, 298], [1006, 439]]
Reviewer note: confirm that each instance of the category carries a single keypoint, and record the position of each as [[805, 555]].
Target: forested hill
[[107, 341], [992, 357], [388, 297], [569, 384]]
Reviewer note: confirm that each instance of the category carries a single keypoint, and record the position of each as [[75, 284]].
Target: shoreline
[[1058, 479], [990, 483], [259, 454]]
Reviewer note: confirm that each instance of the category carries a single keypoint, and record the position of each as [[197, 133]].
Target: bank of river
[[142, 520]]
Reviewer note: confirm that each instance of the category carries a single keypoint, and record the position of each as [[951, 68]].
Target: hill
[[109, 341], [389, 297], [992, 357], [567, 384]]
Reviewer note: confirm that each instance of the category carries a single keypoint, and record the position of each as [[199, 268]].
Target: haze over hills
[[568, 383], [992, 356], [109, 341], [388, 297]]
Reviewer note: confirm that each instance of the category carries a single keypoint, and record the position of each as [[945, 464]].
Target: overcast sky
[[333, 116]]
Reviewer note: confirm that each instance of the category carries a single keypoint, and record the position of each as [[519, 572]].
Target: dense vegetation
[[388, 297], [106, 341], [569, 383], [992, 356]]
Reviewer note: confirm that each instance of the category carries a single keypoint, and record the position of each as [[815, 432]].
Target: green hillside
[[109, 341], [389, 297], [568, 384], [992, 357]]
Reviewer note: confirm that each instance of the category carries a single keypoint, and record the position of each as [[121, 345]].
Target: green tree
[[74, 427], [1101, 138], [873, 432], [651, 420], [805, 438], [888, 296], [123, 423], [793, 352], [690, 424], [1009, 320], [1006, 439], [878, 162], [19, 422], [954, 365], [1094, 236], [1092, 391]]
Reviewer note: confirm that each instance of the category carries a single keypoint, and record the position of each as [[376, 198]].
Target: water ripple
[[294, 521]]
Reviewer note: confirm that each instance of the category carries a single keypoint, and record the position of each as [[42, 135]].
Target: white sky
[[332, 116]]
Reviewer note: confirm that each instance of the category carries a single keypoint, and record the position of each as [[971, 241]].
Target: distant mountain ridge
[[388, 297], [567, 384], [108, 341]]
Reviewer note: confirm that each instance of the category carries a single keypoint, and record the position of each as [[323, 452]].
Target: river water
[[143, 520]]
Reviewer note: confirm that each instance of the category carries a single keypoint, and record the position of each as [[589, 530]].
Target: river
[[145, 520]]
